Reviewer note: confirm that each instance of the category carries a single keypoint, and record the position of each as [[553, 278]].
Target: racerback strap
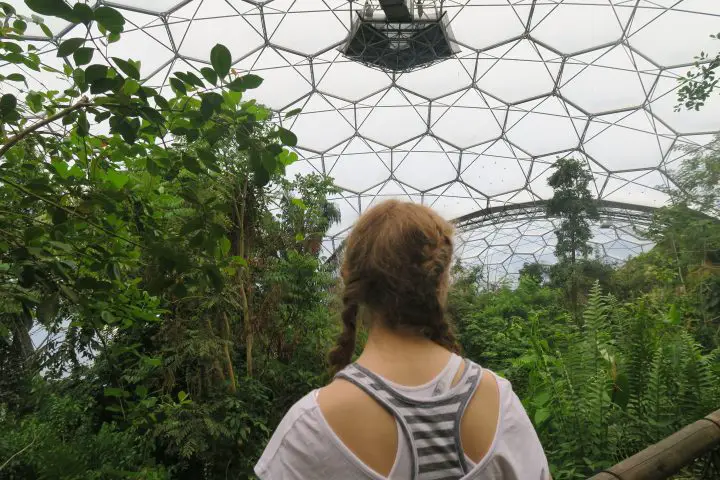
[[430, 425]]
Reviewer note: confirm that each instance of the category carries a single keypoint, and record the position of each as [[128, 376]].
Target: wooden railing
[[694, 450]]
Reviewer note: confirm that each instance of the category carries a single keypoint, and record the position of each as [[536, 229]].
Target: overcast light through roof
[[531, 81]]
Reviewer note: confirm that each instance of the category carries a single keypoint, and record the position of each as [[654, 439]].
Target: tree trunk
[[228, 357], [22, 342], [573, 280], [216, 363], [241, 249]]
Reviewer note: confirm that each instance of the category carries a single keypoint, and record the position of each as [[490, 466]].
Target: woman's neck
[[401, 357]]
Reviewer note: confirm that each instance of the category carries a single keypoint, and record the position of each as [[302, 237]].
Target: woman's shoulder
[[293, 428], [301, 446], [516, 451]]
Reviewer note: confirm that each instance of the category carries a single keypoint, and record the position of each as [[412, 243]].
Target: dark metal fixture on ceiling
[[400, 35]]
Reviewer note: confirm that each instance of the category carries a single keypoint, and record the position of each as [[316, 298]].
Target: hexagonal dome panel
[[473, 134]]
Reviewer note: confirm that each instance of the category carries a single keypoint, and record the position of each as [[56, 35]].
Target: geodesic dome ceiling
[[525, 82]]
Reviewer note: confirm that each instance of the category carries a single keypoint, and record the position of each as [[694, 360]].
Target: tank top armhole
[[497, 438], [349, 454]]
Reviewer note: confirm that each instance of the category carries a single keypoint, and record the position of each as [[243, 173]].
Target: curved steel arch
[[609, 210]]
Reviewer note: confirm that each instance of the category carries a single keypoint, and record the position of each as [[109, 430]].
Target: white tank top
[[304, 446]]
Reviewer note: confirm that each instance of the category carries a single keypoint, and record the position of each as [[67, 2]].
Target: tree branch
[[84, 102], [18, 453]]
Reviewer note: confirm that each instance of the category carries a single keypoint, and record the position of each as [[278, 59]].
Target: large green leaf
[[34, 100], [15, 77], [178, 86], [127, 68], [287, 137], [8, 9], [191, 164], [68, 46], [211, 102], [83, 126], [20, 26], [8, 102], [541, 415], [251, 81], [83, 13], [104, 84], [83, 55], [110, 18], [117, 179], [95, 72], [114, 392], [190, 78], [209, 75], [246, 82], [221, 59], [55, 8]]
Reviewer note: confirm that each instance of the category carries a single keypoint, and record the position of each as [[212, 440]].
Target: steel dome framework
[[530, 81]]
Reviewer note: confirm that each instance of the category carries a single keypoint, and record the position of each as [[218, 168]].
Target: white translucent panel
[[158, 78], [516, 263], [622, 190], [672, 37], [309, 33], [285, 77], [516, 72], [498, 255], [553, 118], [482, 26], [573, 27], [354, 156], [233, 32], [391, 190], [538, 183], [616, 77], [394, 118], [494, 171], [517, 196], [626, 141], [437, 80], [426, 164], [528, 245], [304, 167], [621, 250], [452, 201], [466, 119], [156, 6], [338, 77], [149, 46], [320, 126]]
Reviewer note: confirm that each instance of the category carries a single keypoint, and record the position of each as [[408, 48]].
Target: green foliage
[[573, 203], [627, 376], [698, 84], [174, 270]]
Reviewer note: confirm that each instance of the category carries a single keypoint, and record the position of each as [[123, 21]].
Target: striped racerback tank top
[[431, 426]]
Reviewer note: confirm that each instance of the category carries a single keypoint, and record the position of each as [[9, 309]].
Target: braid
[[442, 333], [439, 330], [341, 355]]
